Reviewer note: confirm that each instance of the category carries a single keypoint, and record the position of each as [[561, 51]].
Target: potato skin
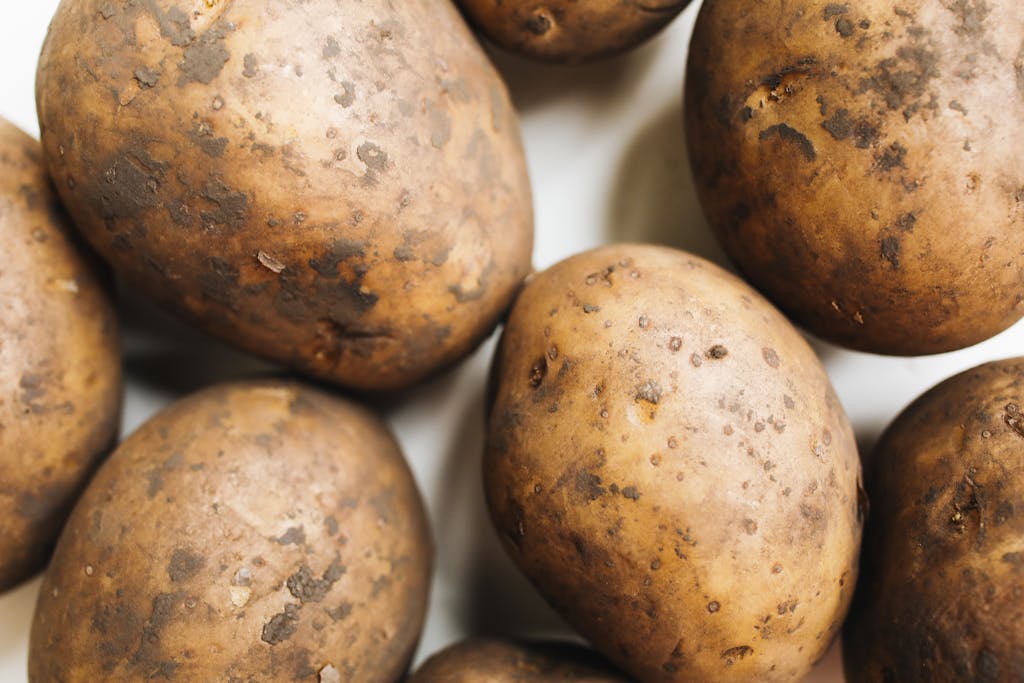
[[670, 466], [568, 31], [336, 186], [255, 531], [942, 592], [859, 161], [60, 367], [503, 661]]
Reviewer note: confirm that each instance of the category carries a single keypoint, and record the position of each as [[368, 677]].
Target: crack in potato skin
[[885, 219], [340, 190]]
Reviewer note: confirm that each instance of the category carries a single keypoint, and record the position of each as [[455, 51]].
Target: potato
[[569, 31], [60, 369], [859, 161], [339, 187], [502, 661], [942, 594], [669, 464], [255, 531]]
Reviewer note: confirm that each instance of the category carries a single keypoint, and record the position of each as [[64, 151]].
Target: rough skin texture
[[942, 593], [860, 162], [60, 366], [336, 186], [254, 532], [500, 661], [670, 466], [569, 31]]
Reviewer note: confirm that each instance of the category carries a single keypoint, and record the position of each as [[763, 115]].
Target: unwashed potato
[[60, 369], [860, 162], [255, 531], [942, 592], [569, 31], [668, 463], [492, 660], [338, 186]]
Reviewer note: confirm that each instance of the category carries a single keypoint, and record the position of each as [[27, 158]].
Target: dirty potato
[[503, 661], [568, 31], [668, 463], [860, 162], [256, 531], [336, 186], [942, 595], [60, 370]]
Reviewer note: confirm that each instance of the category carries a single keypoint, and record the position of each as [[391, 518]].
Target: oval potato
[[335, 186], [504, 661], [568, 31], [668, 463], [859, 161], [60, 366], [941, 598], [255, 531]]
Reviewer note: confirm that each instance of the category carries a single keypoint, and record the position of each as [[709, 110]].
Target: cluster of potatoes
[[341, 188]]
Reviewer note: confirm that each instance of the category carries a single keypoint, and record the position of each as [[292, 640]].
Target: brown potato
[[336, 186], [669, 464], [569, 31], [259, 531], [60, 368], [859, 161], [502, 661], [942, 594]]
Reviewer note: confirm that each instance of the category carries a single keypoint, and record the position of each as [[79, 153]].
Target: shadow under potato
[[496, 599]]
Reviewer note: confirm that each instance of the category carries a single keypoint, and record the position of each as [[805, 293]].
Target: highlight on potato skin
[[497, 660], [859, 162], [60, 365], [261, 530], [568, 31], [339, 187], [668, 463], [941, 597]]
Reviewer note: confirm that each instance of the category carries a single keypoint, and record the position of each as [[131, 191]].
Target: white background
[[608, 163]]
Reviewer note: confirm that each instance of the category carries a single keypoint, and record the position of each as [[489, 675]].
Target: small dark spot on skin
[[589, 485], [987, 666], [340, 612], [695, 360], [770, 357], [293, 536], [631, 493], [891, 251], [675, 343], [834, 10], [891, 157], [404, 253], [844, 27], [347, 95], [736, 653], [789, 134], [649, 391], [373, 156], [716, 352], [281, 626], [956, 106], [184, 565], [251, 66], [713, 606], [331, 48], [147, 78], [591, 308], [305, 587], [538, 371], [539, 24], [204, 59]]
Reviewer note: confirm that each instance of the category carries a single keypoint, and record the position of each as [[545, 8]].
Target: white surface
[[608, 162]]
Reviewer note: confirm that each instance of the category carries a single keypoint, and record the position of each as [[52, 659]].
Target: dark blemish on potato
[[380, 583], [404, 253], [714, 606], [890, 247], [589, 485], [131, 184], [373, 156], [649, 391], [1013, 419], [184, 565], [631, 493], [305, 587], [340, 612], [147, 78], [339, 251], [331, 48], [840, 126], [591, 308], [232, 207], [716, 352], [331, 524], [202, 136], [539, 23], [956, 106], [517, 531], [844, 27], [174, 25], [971, 15], [986, 665], [295, 535], [281, 626], [347, 95], [834, 10], [675, 344], [789, 134], [770, 357], [204, 59], [891, 157], [903, 79], [538, 371], [734, 654], [251, 66]]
